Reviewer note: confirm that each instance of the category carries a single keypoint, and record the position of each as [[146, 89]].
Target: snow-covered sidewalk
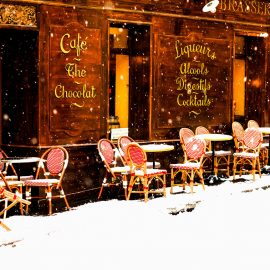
[[229, 228]]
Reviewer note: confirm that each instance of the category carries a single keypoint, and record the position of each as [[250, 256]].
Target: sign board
[[117, 132]]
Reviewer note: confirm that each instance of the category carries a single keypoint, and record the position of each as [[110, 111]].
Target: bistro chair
[[115, 174], [141, 175], [264, 146], [10, 180], [49, 176], [252, 140], [252, 124], [195, 150], [8, 196], [220, 156], [238, 133], [185, 134], [123, 142]]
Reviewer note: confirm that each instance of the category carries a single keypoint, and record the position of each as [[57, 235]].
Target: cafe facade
[[73, 70]]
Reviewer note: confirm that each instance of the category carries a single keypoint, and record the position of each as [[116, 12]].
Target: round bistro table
[[156, 148], [214, 137]]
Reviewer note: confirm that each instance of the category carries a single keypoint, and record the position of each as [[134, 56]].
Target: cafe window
[[129, 78], [239, 75]]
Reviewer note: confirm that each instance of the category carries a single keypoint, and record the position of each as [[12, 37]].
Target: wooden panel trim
[[144, 12]]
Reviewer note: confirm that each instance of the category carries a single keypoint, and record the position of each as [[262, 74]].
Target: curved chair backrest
[[54, 161], [238, 133], [195, 148], [185, 134], [203, 130], [252, 138], [136, 156], [123, 142], [106, 151], [253, 124]]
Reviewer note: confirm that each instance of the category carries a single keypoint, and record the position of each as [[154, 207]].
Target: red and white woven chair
[[140, 174], [185, 134], [116, 174], [49, 176], [252, 140], [9, 179], [264, 146], [123, 142], [222, 157], [195, 150], [238, 133], [8, 196]]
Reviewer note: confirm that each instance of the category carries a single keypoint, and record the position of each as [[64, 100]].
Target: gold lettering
[[62, 43], [84, 93], [193, 101], [74, 72], [231, 5]]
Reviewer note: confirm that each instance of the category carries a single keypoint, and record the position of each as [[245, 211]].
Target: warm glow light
[[211, 6], [264, 35]]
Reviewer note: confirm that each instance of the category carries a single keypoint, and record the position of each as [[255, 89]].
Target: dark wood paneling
[[76, 91], [192, 85], [19, 111]]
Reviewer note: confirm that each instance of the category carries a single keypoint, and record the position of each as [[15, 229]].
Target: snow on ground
[[228, 229]]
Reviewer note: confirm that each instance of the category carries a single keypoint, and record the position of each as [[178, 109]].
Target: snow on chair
[[195, 150], [115, 175], [49, 175], [252, 140], [141, 175]]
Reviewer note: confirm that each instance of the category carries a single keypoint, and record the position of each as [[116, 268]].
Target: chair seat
[[246, 155], [11, 183], [122, 169], [186, 166], [218, 153], [149, 172], [41, 182], [22, 178]]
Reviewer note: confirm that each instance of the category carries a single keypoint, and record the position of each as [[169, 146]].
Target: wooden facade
[[55, 73]]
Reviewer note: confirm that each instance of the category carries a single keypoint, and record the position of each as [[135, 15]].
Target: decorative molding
[[18, 15]]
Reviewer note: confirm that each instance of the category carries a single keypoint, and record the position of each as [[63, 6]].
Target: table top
[[157, 147], [20, 159], [265, 130], [215, 137]]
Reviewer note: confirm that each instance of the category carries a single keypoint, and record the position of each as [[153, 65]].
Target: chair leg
[[164, 185], [234, 167], [228, 166], [28, 197], [20, 195], [201, 178], [125, 184], [63, 195], [5, 226], [172, 181], [145, 189], [130, 186], [49, 199], [100, 192], [191, 181], [215, 166]]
